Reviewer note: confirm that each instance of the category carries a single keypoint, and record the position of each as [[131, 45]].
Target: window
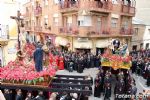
[[125, 25], [84, 21], [147, 46], [69, 21], [149, 31], [134, 47], [99, 24], [141, 46], [46, 20], [55, 21], [114, 22], [136, 30]]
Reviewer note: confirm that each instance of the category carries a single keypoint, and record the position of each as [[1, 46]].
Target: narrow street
[[140, 82]]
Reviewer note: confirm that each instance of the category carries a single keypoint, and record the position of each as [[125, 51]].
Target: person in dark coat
[[40, 96], [29, 96], [97, 61], [97, 87], [19, 95], [92, 61], [148, 76], [107, 91], [7, 94], [107, 87], [119, 88], [38, 58], [80, 65], [88, 61]]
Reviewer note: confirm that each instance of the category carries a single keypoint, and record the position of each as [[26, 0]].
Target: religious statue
[[124, 49], [38, 58]]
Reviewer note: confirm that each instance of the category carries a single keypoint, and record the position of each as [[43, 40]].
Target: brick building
[[79, 24]]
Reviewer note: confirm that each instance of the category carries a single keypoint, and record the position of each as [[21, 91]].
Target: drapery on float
[[116, 56], [22, 71]]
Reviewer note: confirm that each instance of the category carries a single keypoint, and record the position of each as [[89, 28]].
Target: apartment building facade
[[141, 36], [79, 24], [8, 31]]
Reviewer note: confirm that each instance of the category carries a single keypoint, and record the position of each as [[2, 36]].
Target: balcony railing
[[85, 30], [38, 11], [38, 28], [98, 31], [98, 5], [69, 4], [128, 31], [69, 30], [128, 9], [93, 5]]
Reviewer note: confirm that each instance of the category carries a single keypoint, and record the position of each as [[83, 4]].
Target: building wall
[[53, 12], [137, 38], [10, 9], [146, 37]]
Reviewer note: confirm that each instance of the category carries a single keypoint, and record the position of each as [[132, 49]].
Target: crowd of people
[[124, 84], [74, 61], [141, 64]]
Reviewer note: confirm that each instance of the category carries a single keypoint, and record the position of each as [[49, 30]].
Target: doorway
[[100, 51], [134, 47], [85, 51]]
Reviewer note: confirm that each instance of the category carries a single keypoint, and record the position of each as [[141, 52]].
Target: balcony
[[38, 11], [85, 31], [69, 6], [97, 32], [128, 10], [97, 6], [91, 5], [128, 32], [69, 30], [38, 28]]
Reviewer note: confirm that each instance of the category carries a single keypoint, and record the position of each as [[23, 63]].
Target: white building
[[141, 36]]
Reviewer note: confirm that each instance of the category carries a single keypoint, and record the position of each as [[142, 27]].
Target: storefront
[[62, 43], [83, 45], [101, 45]]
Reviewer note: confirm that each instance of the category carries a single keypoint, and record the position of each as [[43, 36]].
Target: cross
[[19, 24]]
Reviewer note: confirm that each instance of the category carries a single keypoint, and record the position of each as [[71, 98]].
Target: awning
[[102, 43], [3, 42], [61, 41], [83, 44]]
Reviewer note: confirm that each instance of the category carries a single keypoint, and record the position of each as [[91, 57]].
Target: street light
[[19, 24]]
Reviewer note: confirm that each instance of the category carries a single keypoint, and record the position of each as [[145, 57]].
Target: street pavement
[[140, 82]]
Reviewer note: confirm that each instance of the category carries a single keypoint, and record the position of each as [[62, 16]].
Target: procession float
[[22, 71], [116, 56]]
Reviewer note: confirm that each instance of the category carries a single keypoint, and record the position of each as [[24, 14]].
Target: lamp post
[[19, 24]]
